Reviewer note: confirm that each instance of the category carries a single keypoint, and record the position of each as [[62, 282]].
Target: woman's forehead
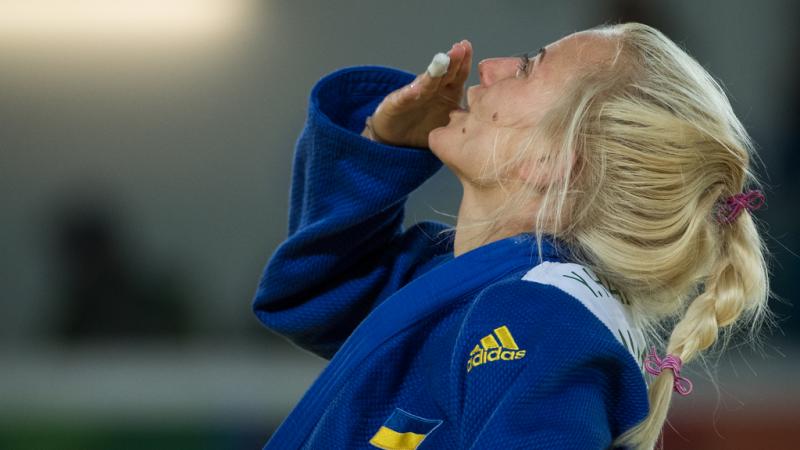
[[582, 47]]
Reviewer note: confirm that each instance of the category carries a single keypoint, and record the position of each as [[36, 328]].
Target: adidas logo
[[489, 350]]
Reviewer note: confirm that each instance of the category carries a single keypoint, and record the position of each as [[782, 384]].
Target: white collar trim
[[597, 296]]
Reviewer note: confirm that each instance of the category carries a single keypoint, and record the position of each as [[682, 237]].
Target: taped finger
[[438, 66]]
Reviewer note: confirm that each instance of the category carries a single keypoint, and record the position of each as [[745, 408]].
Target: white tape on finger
[[438, 66]]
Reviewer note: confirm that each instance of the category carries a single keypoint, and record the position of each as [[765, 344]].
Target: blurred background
[[145, 155]]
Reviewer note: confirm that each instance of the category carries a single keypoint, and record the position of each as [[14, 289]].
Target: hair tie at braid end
[[654, 365]]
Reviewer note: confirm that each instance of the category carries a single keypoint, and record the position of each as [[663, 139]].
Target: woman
[[602, 215]]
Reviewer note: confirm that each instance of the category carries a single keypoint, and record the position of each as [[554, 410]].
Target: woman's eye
[[522, 66]]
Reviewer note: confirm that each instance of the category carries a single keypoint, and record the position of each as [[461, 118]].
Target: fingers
[[457, 71], [408, 93], [460, 77], [425, 85], [438, 65], [460, 59], [456, 55]]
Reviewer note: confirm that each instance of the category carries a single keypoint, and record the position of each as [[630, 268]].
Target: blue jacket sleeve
[[346, 249], [576, 387]]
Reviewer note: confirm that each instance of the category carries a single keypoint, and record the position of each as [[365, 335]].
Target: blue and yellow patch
[[403, 431]]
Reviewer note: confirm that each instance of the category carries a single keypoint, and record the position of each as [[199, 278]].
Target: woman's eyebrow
[[531, 55]]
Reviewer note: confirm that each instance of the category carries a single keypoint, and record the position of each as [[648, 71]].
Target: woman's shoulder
[[558, 297], [529, 343]]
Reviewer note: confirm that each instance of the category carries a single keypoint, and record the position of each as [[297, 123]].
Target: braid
[[730, 290], [736, 286]]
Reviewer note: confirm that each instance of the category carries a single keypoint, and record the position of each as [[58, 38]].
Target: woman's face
[[509, 102]]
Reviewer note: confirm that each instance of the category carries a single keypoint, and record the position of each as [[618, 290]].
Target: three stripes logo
[[489, 350]]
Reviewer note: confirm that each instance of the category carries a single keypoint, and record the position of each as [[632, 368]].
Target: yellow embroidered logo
[[489, 350]]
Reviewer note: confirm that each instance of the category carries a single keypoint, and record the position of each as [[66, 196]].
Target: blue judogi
[[487, 350]]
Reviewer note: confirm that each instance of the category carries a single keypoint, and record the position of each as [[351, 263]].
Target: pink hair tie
[[734, 205], [670, 362]]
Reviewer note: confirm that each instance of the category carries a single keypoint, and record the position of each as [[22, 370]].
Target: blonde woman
[[605, 214]]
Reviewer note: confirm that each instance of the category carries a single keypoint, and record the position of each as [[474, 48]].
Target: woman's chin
[[441, 142], [435, 137], [438, 137]]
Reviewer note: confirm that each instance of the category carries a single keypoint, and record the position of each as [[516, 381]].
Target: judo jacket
[[487, 350]]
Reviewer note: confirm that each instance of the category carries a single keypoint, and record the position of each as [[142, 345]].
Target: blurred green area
[[57, 436]]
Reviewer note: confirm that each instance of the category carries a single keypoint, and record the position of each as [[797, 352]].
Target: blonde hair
[[656, 148]]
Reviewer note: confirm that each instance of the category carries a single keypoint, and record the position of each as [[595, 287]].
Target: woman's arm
[[346, 249]]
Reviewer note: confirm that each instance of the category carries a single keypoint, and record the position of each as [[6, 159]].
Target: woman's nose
[[492, 69]]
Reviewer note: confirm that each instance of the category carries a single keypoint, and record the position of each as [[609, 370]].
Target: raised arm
[[346, 249]]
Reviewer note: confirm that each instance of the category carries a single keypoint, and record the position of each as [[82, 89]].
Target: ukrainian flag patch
[[403, 431]]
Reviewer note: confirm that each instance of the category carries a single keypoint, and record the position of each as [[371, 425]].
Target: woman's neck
[[477, 205]]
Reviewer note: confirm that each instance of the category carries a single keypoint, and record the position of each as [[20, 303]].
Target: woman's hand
[[406, 116]]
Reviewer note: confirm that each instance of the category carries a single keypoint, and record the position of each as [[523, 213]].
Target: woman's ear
[[545, 170]]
